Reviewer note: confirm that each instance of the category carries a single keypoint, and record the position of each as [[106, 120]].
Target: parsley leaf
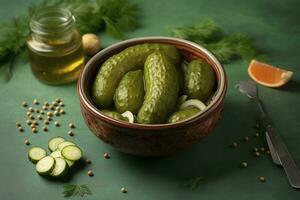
[[74, 190]]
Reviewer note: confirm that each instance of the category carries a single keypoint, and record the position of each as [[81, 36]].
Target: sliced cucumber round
[[71, 152], [60, 168], [36, 153], [54, 142], [57, 154], [45, 165], [64, 144], [194, 103]]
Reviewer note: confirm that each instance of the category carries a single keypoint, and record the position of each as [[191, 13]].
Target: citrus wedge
[[268, 75]]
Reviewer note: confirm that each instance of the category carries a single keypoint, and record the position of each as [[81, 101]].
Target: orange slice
[[268, 75]]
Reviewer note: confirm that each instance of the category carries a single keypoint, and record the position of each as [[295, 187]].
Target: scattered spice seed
[[54, 103], [35, 122], [61, 104], [40, 117], [255, 149], [257, 125], [262, 149], [49, 118], [45, 108], [87, 161], [45, 128], [27, 142], [28, 122], [46, 103], [32, 126], [57, 108], [56, 113], [70, 133], [61, 111], [71, 125], [51, 107], [28, 113], [106, 156], [20, 129], [49, 114], [24, 104], [35, 101], [234, 145], [123, 190], [36, 110], [268, 152], [257, 154], [46, 122], [262, 179], [30, 109], [244, 164], [34, 130], [246, 139], [90, 173], [42, 112], [57, 100], [256, 135], [18, 124], [56, 123], [31, 117]]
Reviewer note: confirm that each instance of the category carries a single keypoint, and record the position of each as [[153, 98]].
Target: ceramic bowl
[[157, 139]]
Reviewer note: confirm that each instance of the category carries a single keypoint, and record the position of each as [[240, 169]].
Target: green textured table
[[276, 29]]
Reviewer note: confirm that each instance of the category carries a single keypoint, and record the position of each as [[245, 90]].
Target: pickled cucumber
[[199, 80], [130, 93], [161, 89], [113, 69], [182, 115], [114, 115]]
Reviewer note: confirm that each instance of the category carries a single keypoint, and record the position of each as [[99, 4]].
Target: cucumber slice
[[45, 165], [193, 102], [57, 154], [54, 142], [72, 153], [60, 167], [64, 144], [127, 114], [36, 153]]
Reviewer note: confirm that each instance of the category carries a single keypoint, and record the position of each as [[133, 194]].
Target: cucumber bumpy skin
[[114, 68], [183, 114], [199, 80], [161, 86], [130, 92]]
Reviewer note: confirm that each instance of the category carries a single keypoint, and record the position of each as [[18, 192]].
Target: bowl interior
[[188, 50]]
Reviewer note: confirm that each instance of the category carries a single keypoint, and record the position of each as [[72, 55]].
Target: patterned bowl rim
[[218, 97]]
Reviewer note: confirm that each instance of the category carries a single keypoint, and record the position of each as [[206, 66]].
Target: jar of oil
[[54, 46]]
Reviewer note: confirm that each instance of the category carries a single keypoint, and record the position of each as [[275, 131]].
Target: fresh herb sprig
[[226, 47], [76, 190], [115, 17]]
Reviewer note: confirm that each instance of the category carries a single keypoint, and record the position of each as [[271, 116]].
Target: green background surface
[[275, 27]]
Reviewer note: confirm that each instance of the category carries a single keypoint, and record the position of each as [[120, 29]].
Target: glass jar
[[54, 46]]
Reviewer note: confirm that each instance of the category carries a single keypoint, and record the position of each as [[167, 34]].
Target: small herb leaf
[[74, 190]]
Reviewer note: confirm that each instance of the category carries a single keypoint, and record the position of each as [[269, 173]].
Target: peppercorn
[[27, 142], [90, 173], [262, 179], [71, 125], [106, 156], [123, 190]]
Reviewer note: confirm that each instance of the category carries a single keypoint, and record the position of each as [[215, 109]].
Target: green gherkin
[[199, 80], [161, 86], [130, 92], [114, 115], [182, 115], [114, 68]]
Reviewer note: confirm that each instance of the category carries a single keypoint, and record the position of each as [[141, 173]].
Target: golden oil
[[54, 46]]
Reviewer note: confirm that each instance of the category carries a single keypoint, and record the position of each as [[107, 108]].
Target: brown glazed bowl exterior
[[159, 139]]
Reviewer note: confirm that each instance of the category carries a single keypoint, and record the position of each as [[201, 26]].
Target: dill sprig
[[115, 17], [226, 47]]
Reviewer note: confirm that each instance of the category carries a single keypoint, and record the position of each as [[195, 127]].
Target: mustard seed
[[28, 122], [56, 113], [268, 152], [71, 125], [61, 104], [49, 118], [244, 164], [90, 173], [256, 135], [106, 156], [27, 142], [24, 104], [123, 190], [18, 124], [49, 114], [57, 108], [40, 117], [246, 139], [31, 117], [57, 100], [32, 126], [61, 111], [34, 130], [30, 109], [54, 103], [46, 103], [35, 101], [42, 112], [255, 149], [257, 125], [20, 129], [36, 110], [262, 179], [262, 149], [234, 145], [35, 122], [28, 114], [46, 122], [51, 107], [257, 154], [45, 128], [56, 123], [87, 161], [70, 133], [45, 108]]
